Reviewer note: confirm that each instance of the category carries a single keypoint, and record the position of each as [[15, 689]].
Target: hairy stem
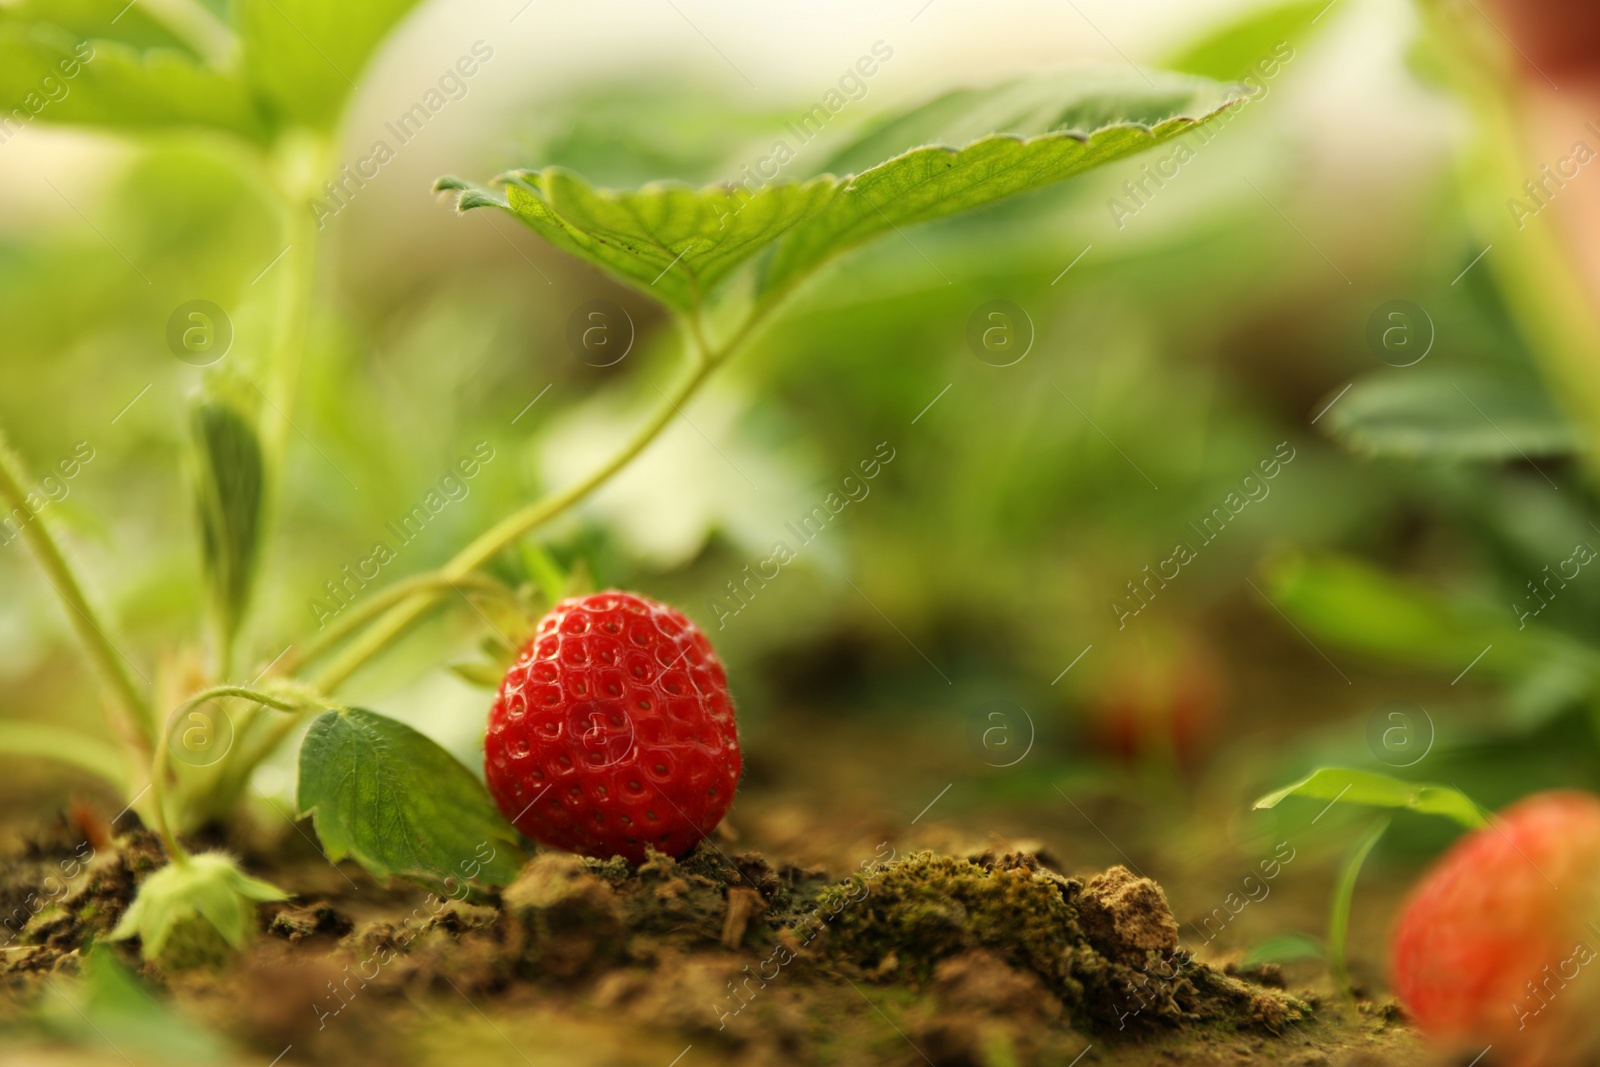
[[278, 701], [91, 629], [226, 773]]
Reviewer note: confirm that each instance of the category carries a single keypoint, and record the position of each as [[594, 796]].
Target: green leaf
[[1344, 892], [401, 805], [52, 75], [1285, 948], [478, 674], [36, 740], [981, 146], [110, 20], [543, 570], [670, 241], [1468, 415], [229, 495], [304, 57], [110, 1005], [1365, 609], [1251, 45], [1346, 786], [678, 244], [207, 887]]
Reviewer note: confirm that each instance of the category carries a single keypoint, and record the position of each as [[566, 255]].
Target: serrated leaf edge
[[471, 195]]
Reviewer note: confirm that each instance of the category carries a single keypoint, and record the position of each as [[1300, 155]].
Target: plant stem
[[158, 799], [266, 699], [432, 584], [1343, 894], [91, 629], [291, 702], [300, 162], [429, 585], [38, 740], [520, 522]]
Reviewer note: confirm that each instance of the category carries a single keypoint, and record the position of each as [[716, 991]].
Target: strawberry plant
[[1513, 384], [720, 260], [1503, 411]]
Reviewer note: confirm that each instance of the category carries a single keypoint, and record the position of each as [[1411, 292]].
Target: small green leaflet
[[96, 20], [229, 491], [479, 674], [1347, 786], [116, 85], [1253, 44], [672, 242], [1363, 608], [678, 244], [542, 570], [1285, 948], [207, 887], [401, 805], [108, 1005], [304, 57], [1463, 415], [279, 64]]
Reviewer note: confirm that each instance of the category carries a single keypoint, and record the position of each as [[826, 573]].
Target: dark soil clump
[[993, 955]]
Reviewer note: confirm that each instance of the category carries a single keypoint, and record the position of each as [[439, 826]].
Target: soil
[[837, 918], [985, 957]]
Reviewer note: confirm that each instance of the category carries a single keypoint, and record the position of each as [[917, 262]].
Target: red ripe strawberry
[[1497, 946], [614, 730]]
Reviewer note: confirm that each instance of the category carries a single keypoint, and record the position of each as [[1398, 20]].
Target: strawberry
[[1560, 38], [1159, 699], [1497, 945], [614, 731]]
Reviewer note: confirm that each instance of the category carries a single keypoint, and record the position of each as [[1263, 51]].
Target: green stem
[[285, 701], [349, 621], [429, 585], [520, 522], [279, 701], [37, 740], [158, 800], [91, 629], [303, 162], [295, 165], [1343, 894]]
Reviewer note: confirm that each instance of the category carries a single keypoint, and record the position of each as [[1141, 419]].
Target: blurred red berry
[[1555, 39], [1160, 698], [1498, 944], [613, 731]]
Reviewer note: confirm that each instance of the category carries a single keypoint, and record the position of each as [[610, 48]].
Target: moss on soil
[[988, 959]]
